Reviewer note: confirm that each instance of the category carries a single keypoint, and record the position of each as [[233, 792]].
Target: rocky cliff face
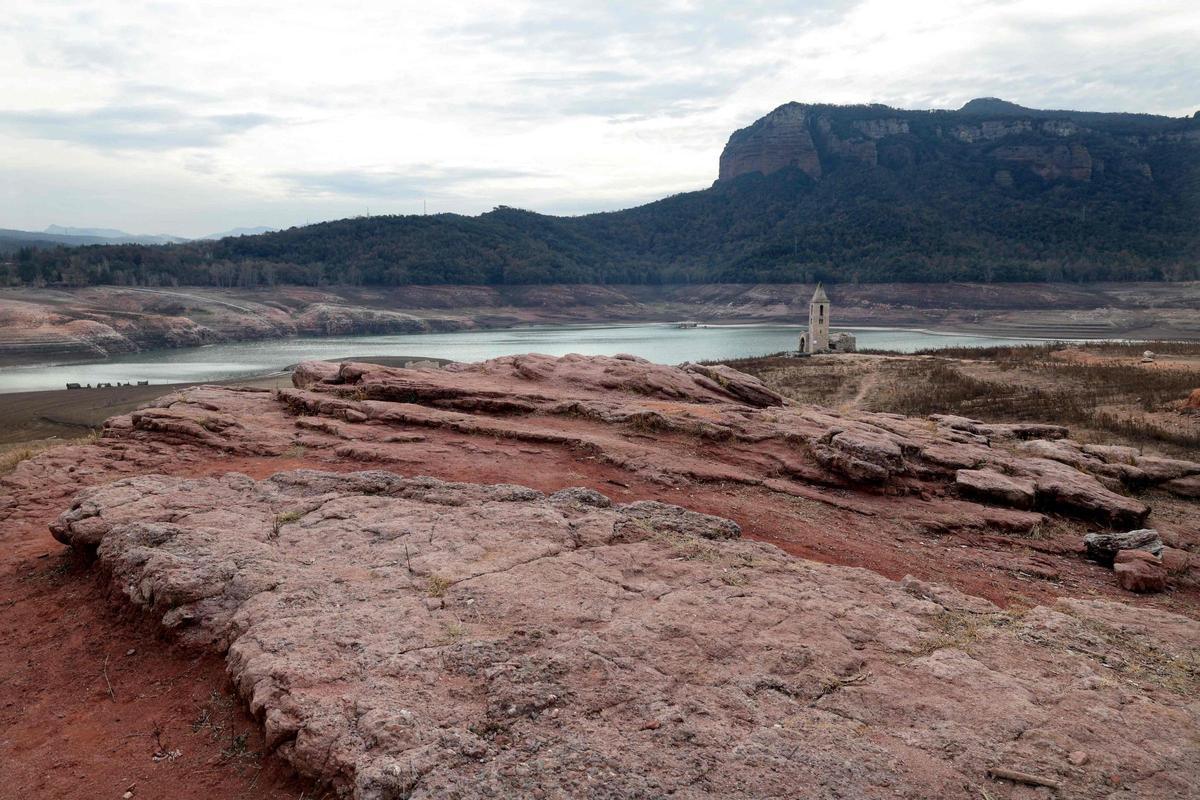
[[1051, 145], [781, 139]]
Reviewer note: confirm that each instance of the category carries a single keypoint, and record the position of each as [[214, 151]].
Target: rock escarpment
[[780, 139], [1051, 145], [412, 638]]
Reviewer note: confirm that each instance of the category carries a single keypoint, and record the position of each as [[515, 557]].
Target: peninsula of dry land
[[592, 576]]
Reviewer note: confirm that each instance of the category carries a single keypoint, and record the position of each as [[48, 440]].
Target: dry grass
[[1027, 353], [13, 455], [436, 586], [453, 632], [286, 518], [1115, 399], [10, 458], [687, 548], [960, 629], [1105, 400], [1144, 661], [818, 381], [295, 451]]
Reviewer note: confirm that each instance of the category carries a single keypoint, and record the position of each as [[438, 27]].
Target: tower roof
[[819, 296]]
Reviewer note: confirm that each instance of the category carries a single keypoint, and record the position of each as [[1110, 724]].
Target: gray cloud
[[631, 60], [653, 31], [611, 103], [413, 183], [619, 96], [144, 127]]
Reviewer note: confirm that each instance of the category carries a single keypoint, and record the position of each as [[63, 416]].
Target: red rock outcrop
[[408, 637], [855, 448], [1140, 571], [648, 419], [493, 630]]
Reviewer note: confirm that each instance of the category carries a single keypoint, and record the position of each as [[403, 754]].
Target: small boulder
[[1063, 488], [1105, 547], [1113, 453], [987, 484], [739, 385], [879, 449], [307, 373], [1140, 571]]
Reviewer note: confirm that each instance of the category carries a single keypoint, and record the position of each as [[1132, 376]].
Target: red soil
[[62, 735]]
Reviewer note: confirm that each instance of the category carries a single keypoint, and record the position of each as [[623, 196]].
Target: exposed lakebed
[[661, 343]]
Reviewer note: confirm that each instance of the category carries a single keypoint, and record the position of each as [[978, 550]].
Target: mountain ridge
[[12, 240], [807, 192]]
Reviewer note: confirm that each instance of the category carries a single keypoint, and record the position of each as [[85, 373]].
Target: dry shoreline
[[61, 414], [27, 417], [46, 416], [81, 325]]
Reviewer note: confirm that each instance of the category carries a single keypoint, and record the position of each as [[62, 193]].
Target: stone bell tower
[[817, 340]]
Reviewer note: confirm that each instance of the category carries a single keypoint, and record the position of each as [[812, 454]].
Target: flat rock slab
[[991, 485], [414, 638]]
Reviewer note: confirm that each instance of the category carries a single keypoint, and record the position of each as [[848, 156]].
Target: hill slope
[[992, 192]]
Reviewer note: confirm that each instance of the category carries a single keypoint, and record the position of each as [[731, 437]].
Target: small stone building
[[842, 342], [817, 339]]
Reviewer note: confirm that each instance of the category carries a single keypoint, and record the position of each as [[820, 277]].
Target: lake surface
[[663, 343]]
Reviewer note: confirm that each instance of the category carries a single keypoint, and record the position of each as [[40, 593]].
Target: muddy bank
[[52, 325]]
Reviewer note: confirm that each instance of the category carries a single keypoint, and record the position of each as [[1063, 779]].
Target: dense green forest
[[939, 214]]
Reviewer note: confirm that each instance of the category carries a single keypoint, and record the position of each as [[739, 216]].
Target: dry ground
[[1101, 391]]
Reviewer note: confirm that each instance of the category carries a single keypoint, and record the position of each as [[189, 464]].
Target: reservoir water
[[663, 343]]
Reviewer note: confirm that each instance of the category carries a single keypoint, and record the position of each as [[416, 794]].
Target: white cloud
[[201, 116]]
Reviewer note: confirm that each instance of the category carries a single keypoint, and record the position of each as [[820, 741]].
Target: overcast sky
[[189, 118]]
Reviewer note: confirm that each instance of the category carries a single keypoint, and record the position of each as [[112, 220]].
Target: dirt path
[[865, 386]]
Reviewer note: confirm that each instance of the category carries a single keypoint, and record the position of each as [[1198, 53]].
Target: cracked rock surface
[[409, 637]]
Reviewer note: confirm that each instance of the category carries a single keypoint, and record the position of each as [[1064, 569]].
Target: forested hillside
[[992, 192]]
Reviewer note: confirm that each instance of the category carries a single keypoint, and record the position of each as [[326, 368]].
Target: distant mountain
[[990, 192], [13, 240], [995, 106], [239, 232], [60, 235], [102, 233], [114, 236], [67, 236]]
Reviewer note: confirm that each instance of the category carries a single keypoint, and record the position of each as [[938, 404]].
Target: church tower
[[817, 340]]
